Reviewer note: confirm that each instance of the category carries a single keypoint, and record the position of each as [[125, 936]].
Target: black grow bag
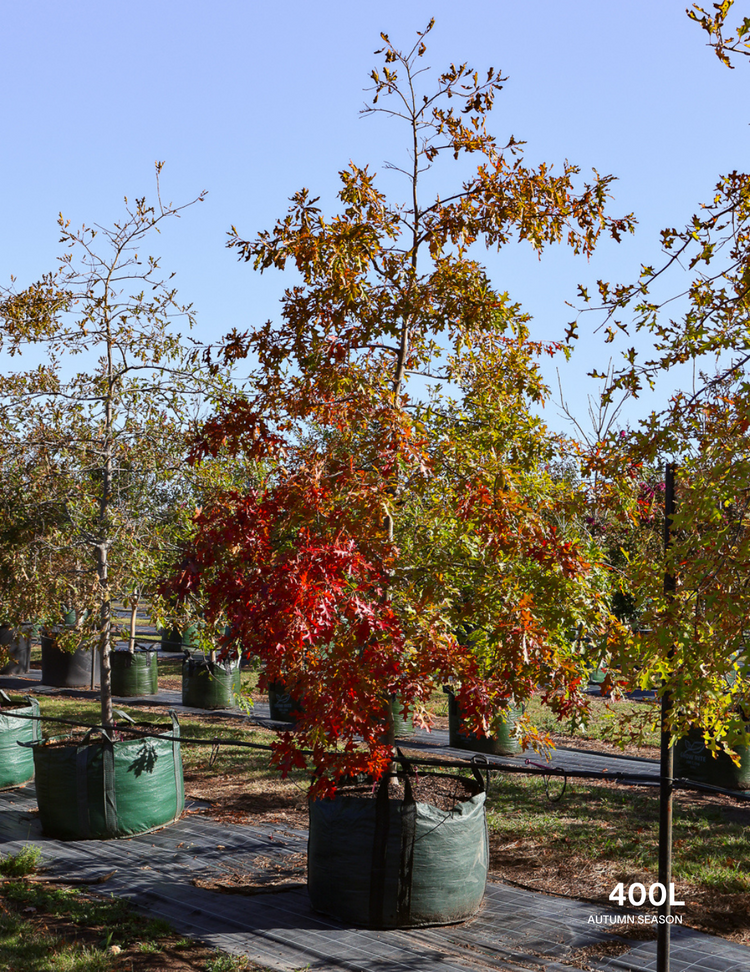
[[283, 706], [286, 707], [210, 685], [694, 761], [19, 722], [380, 862], [17, 642], [501, 742], [110, 788], [136, 674], [68, 669]]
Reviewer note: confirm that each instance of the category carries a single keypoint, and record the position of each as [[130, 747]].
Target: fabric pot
[[104, 788], [19, 722], [283, 706], [17, 641], [598, 674], [501, 742], [387, 863], [210, 685], [693, 761], [287, 708], [175, 640], [68, 669], [401, 726], [136, 674], [70, 617]]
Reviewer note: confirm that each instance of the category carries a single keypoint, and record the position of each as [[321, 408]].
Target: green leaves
[[93, 491]]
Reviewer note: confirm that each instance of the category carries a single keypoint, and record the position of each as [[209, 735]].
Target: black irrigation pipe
[[142, 733], [627, 779], [529, 768]]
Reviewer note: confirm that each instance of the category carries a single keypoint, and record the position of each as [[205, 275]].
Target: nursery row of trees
[[378, 509]]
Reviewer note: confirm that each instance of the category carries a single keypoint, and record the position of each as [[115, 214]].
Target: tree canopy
[[689, 309], [94, 498], [404, 535]]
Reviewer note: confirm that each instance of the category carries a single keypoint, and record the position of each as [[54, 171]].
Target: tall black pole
[[666, 771]]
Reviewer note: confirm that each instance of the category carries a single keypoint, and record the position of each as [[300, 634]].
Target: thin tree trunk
[[105, 636], [134, 602], [105, 620]]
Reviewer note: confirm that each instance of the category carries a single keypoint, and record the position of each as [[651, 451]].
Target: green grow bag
[[401, 726], [136, 674], [598, 674], [210, 685], [381, 862], [693, 761], [70, 617], [101, 789], [502, 742], [176, 640], [17, 762]]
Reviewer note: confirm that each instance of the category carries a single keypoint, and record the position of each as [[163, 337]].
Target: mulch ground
[[527, 863]]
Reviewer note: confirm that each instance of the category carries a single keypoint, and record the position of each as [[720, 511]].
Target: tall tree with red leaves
[[383, 529]]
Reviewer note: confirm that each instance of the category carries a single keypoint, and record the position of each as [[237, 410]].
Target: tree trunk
[[105, 620], [134, 602], [105, 637]]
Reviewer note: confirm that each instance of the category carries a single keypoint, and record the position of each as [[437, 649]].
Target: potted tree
[[209, 682], [693, 597], [135, 670], [342, 568], [107, 444]]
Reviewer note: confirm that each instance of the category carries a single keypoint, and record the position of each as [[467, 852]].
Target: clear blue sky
[[252, 101]]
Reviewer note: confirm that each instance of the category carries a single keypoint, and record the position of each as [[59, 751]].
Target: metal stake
[[666, 770]]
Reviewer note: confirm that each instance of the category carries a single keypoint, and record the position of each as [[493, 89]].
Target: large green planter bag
[[210, 685], [401, 726], [502, 741], [134, 675], [381, 862], [100, 788], [598, 672], [175, 640], [693, 761], [18, 723]]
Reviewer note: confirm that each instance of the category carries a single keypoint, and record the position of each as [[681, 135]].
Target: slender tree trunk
[[134, 602], [105, 636], [105, 615], [399, 377], [105, 618]]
